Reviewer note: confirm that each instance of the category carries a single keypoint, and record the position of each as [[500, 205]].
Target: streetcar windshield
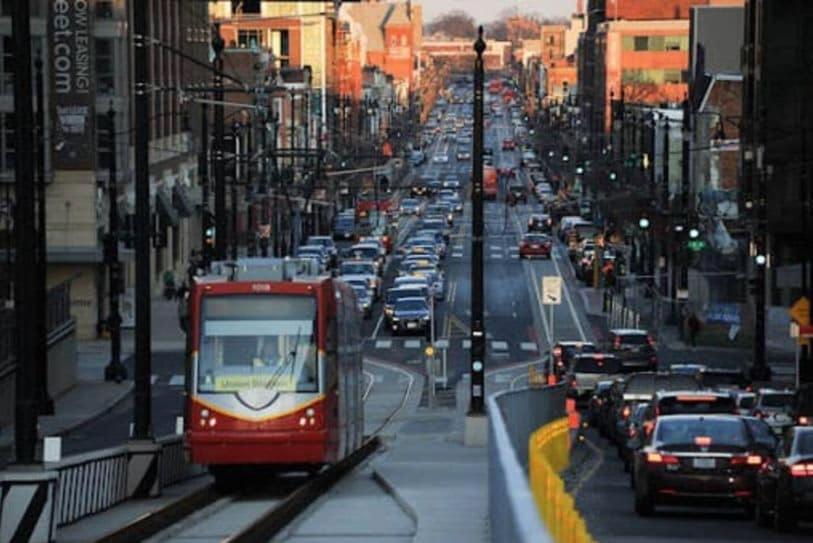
[[250, 342]]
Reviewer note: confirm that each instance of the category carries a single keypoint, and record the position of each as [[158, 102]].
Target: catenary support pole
[[115, 370], [142, 420], [46, 403], [203, 171], [478, 337], [221, 225], [25, 283]]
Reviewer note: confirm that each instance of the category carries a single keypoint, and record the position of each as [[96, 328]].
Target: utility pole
[[683, 278], [203, 169], [238, 150], [45, 402], [25, 283], [142, 420], [478, 334], [115, 370], [221, 226]]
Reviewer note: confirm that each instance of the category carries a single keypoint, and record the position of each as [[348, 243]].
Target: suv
[[539, 222], [634, 347], [563, 351], [774, 407], [587, 369]]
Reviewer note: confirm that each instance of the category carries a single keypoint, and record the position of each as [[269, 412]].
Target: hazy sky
[[487, 10]]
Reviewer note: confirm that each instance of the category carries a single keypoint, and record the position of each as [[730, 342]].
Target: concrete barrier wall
[[61, 370], [513, 417]]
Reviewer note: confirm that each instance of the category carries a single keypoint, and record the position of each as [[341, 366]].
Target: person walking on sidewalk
[[693, 324]]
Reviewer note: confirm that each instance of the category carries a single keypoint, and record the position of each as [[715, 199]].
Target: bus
[[274, 371], [490, 183]]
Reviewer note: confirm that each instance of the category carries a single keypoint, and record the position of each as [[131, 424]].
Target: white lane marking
[[457, 255], [499, 345], [457, 248], [496, 248], [153, 379], [442, 344], [378, 326], [569, 300], [177, 380], [467, 344], [383, 344], [370, 384], [593, 469], [529, 346], [502, 379], [412, 344]]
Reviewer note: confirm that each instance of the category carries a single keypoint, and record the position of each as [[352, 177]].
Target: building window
[[652, 76], [105, 71], [104, 153], [655, 43], [245, 6], [280, 46], [104, 9], [249, 38], [7, 142], [7, 66]]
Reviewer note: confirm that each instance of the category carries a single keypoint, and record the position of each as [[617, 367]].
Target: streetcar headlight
[[212, 421], [204, 413], [309, 412], [303, 421]]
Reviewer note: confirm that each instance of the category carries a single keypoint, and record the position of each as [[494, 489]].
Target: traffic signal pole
[[203, 169], [221, 226]]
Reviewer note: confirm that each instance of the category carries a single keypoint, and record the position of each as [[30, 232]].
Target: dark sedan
[[785, 486], [535, 245], [410, 315], [697, 460]]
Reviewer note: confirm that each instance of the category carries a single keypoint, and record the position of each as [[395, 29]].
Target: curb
[[127, 389], [390, 489]]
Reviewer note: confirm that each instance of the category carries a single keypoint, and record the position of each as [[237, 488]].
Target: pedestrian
[[693, 323]]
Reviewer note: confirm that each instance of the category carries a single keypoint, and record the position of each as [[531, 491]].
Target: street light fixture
[[643, 223], [694, 233]]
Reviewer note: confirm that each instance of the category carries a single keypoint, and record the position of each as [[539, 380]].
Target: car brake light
[[650, 341], [802, 470], [803, 421], [753, 460], [626, 412], [658, 458], [617, 342], [702, 441]]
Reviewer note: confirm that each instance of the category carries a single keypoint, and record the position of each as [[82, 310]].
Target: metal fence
[[514, 416], [92, 482]]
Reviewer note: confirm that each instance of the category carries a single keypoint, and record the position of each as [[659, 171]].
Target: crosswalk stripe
[[442, 344], [412, 344], [467, 344], [177, 380], [499, 345], [528, 346], [153, 379], [383, 344], [457, 255]]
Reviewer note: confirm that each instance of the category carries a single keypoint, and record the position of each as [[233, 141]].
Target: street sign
[[805, 331], [800, 311], [551, 290]]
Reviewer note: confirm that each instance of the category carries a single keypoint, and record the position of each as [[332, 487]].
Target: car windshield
[[393, 295], [747, 402], [701, 432], [633, 339], [713, 379], [535, 238], [695, 404], [410, 305], [649, 383], [776, 400], [589, 364], [350, 268], [363, 253], [257, 342]]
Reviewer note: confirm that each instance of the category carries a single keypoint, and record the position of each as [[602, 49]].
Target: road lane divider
[[548, 455]]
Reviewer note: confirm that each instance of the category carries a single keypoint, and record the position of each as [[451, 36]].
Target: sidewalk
[[781, 357], [91, 397], [426, 487]]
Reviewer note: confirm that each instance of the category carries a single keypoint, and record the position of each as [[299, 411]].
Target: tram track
[[261, 512]]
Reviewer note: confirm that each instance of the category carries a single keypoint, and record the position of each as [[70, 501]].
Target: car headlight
[[425, 318], [371, 282], [388, 311], [395, 319]]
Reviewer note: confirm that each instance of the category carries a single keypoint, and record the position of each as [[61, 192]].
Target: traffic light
[[613, 177], [643, 223]]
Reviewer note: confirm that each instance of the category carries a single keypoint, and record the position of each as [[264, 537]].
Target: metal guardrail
[[514, 416], [91, 482]]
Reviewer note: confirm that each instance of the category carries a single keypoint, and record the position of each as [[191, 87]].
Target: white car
[[440, 159]]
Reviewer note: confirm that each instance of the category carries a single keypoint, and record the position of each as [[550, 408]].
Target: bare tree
[[454, 24]]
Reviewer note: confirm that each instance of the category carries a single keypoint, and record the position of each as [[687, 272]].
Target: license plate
[[703, 463], [411, 325]]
